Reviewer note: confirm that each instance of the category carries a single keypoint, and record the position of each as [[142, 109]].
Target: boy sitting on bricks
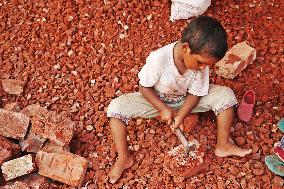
[[176, 78]]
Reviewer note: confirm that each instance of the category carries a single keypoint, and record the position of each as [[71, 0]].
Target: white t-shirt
[[161, 73]]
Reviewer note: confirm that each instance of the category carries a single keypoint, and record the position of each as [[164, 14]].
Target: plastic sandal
[[279, 149], [245, 109], [280, 125], [279, 152], [275, 165]]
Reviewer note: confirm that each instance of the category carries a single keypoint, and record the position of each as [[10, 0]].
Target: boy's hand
[[177, 123], [167, 115]]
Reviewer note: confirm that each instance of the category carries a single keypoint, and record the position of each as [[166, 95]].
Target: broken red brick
[[157, 3], [236, 60], [12, 107], [52, 147], [33, 181], [18, 167], [278, 181], [240, 141], [16, 185], [64, 167], [57, 128], [34, 109], [190, 122], [2, 180], [181, 166], [12, 86], [32, 143], [13, 124], [8, 149], [5, 155], [232, 58]]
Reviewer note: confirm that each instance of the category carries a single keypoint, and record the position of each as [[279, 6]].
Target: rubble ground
[[76, 56]]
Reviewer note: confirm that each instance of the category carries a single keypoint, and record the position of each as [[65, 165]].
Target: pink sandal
[[245, 109]]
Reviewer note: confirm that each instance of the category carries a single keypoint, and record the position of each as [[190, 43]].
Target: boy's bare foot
[[118, 168], [231, 150]]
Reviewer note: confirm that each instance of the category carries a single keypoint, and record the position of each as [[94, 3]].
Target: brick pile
[[44, 137]]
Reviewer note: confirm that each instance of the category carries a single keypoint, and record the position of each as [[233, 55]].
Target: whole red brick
[[13, 124], [64, 167], [18, 167], [8, 149], [235, 60]]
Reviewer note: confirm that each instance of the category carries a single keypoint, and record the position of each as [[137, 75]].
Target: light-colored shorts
[[133, 105]]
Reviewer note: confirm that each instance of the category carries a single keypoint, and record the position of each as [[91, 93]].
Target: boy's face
[[196, 61]]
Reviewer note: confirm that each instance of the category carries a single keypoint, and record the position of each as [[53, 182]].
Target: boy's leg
[[224, 148], [124, 160], [221, 100], [120, 111]]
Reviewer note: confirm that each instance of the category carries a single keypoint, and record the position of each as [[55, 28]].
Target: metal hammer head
[[188, 148]]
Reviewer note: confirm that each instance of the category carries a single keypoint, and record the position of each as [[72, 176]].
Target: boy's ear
[[185, 48]]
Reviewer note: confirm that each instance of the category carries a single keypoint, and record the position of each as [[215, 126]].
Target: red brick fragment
[[8, 149], [52, 147], [32, 181], [13, 124], [235, 60], [18, 167], [12, 86], [32, 143], [12, 107], [190, 122], [278, 181], [57, 128], [157, 3], [240, 141], [232, 58], [16, 185], [181, 166], [34, 109], [64, 167]]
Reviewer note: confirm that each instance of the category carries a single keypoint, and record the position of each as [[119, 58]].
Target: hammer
[[187, 146]]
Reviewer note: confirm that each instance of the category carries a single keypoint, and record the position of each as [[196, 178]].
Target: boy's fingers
[[181, 127], [170, 122], [173, 126]]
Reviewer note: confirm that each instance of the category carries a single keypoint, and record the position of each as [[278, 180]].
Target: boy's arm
[[151, 96], [190, 102]]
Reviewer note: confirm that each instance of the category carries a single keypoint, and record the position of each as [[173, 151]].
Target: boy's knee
[[226, 99], [227, 92], [116, 110], [114, 106]]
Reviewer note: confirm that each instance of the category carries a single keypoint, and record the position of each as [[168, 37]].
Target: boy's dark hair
[[206, 35]]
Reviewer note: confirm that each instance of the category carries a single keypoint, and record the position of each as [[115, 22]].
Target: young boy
[[176, 78]]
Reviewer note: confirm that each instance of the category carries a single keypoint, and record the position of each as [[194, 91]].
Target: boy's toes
[[248, 151], [112, 179], [118, 169], [232, 150]]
